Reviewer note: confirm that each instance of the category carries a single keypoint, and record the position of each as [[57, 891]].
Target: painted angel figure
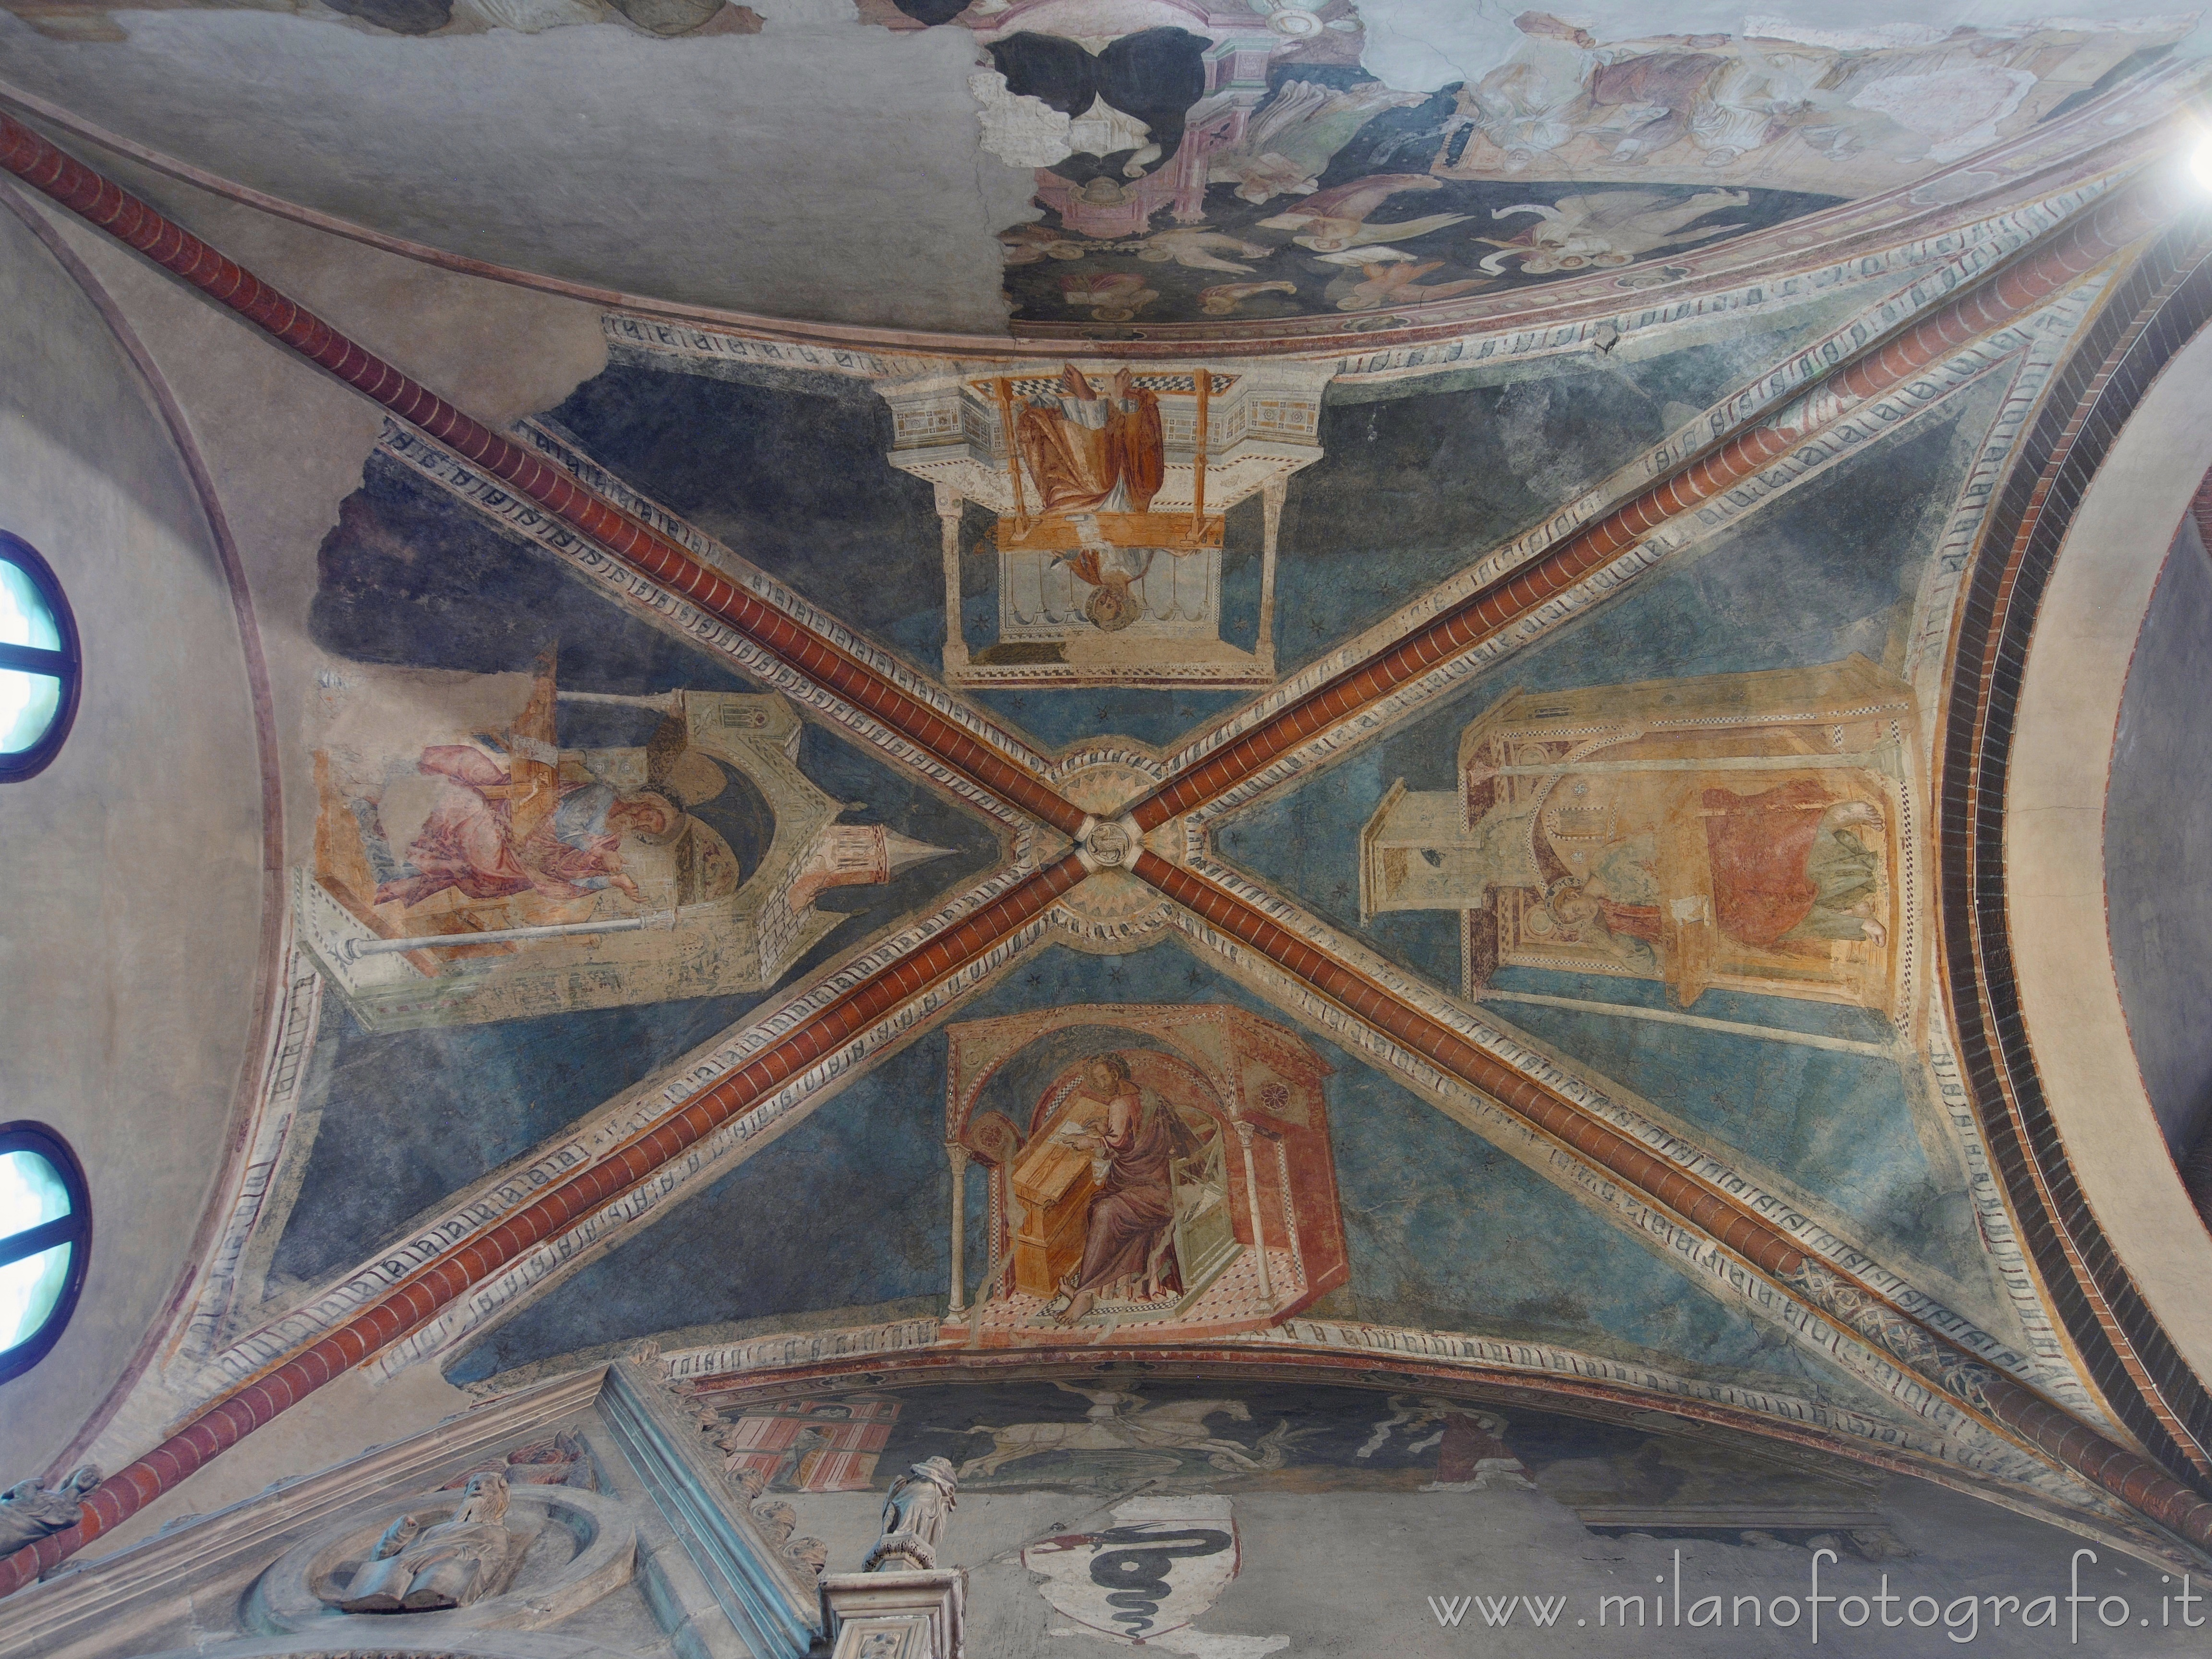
[[1335, 220], [1200, 249], [1222, 299], [1396, 282], [1295, 132], [1606, 227], [1112, 296]]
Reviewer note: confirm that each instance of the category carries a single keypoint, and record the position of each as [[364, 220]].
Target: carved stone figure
[[915, 1512], [779, 1520], [32, 1509], [416, 1568]]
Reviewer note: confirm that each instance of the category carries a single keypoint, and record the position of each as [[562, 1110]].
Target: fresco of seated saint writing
[[467, 869], [1164, 1170], [1737, 830]]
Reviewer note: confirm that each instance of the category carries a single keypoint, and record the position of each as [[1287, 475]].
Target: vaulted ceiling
[[1424, 617]]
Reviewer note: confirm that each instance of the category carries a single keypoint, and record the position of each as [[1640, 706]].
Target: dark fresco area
[[1402, 142], [1308, 1436]]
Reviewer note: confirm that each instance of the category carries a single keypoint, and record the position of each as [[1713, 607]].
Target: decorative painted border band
[[1933, 619], [645, 337], [2149, 314], [1956, 253], [283, 1070]]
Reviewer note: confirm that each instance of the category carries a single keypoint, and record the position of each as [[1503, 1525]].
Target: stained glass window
[[46, 1229], [38, 661]]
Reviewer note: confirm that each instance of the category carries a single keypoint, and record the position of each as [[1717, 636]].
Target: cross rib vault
[[1142, 841]]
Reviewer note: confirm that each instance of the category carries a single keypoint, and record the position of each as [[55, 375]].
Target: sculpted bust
[[915, 1512], [415, 1569]]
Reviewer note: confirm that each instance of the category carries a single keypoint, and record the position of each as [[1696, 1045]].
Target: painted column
[[949, 503], [995, 1183], [1252, 1203], [1272, 494], [958, 1156]]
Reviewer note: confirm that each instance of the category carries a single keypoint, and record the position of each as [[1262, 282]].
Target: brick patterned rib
[[2124, 1350], [131, 221], [2017, 1410], [453, 1275], [2013, 291]]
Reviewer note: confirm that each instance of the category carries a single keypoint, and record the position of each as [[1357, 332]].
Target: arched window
[[45, 1239], [38, 662]]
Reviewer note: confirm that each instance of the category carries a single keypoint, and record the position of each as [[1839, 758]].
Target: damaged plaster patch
[[1029, 133], [819, 166], [1419, 45], [1019, 130], [526, 16], [794, 15]]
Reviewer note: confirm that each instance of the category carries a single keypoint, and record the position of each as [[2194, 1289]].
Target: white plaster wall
[[285, 444], [824, 168], [1430, 43], [2070, 708], [2158, 846], [130, 933]]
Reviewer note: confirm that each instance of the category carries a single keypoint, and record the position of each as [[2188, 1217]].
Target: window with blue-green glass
[[38, 662], [45, 1240]]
